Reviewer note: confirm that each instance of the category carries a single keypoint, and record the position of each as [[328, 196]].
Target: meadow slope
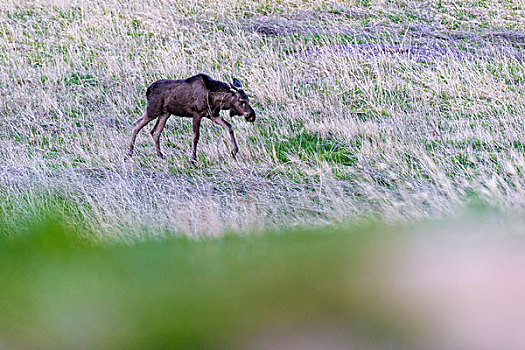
[[340, 134]]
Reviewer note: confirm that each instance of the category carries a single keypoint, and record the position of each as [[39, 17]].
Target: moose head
[[241, 102]]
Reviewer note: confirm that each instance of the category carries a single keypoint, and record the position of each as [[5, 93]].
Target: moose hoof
[[161, 156], [193, 159]]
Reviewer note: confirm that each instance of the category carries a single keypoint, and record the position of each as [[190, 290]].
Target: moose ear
[[236, 83]]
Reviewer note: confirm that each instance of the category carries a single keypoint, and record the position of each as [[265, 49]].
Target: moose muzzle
[[250, 117]]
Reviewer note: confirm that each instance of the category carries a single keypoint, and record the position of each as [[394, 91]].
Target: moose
[[196, 97]]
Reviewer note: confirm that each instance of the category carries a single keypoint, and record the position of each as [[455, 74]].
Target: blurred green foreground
[[59, 291], [362, 287]]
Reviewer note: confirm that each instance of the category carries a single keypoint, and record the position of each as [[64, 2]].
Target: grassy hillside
[[339, 135]]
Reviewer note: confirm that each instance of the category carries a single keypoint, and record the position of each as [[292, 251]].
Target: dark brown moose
[[196, 97]]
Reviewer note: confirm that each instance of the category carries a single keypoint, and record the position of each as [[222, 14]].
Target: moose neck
[[221, 100]]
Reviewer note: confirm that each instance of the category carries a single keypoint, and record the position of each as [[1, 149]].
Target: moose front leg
[[228, 127], [196, 135]]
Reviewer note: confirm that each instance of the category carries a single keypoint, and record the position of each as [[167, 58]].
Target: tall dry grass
[[337, 136]]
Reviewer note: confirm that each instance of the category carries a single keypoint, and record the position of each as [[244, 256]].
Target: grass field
[[338, 136], [377, 201]]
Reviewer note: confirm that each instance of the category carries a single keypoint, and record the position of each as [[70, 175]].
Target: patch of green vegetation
[[401, 98], [83, 79], [268, 9], [355, 98], [395, 17], [135, 29], [70, 14], [336, 11], [364, 3], [450, 23], [519, 146], [21, 15], [414, 166], [38, 54], [51, 154], [311, 147], [464, 161], [135, 24], [340, 174], [78, 161]]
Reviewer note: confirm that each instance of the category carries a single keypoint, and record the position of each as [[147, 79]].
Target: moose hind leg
[[229, 128], [157, 130], [137, 126]]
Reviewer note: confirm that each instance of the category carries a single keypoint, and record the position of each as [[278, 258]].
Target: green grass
[[81, 79], [313, 148]]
